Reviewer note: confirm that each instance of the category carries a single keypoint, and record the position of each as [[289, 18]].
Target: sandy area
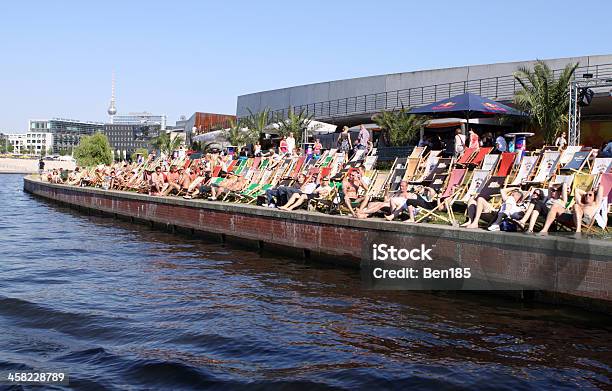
[[27, 166]]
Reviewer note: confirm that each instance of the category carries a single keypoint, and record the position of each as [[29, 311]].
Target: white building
[[39, 143], [18, 141]]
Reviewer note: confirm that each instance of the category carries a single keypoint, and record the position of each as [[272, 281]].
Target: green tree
[[93, 150], [256, 123], [235, 135], [544, 97], [294, 123], [399, 128], [165, 144], [9, 147], [142, 151]]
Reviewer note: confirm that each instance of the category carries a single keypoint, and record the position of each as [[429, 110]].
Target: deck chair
[[442, 167], [455, 179], [601, 165], [426, 168], [398, 170], [411, 168], [583, 182], [358, 155], [506, 162], [578, 161], [525, 169], [477, 182], [568, 153], [370, 162], [479, 156], [490, 162], [467, 156], [547, 168], [417, 152], [568, 179]]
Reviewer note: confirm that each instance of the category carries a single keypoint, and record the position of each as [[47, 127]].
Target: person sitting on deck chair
[[309, 192], [396, 201], [584, 211], [350, 188], [278, 195], [540, 204], [157, 182], [511, 196]]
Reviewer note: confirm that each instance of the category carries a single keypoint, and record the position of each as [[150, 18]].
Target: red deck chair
[[216, 171], [467, 156], [325, 171], [255, 164], [482, 152], [456, 177], [231, 166], [505, 164]]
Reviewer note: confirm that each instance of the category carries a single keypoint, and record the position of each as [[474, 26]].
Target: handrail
[[500, 88]]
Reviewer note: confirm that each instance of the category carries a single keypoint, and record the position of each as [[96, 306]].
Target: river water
[[121, 306]]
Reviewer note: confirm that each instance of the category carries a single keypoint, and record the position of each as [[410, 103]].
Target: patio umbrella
[[467, 106]]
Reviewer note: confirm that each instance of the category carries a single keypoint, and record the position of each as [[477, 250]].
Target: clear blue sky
[[178, 57]]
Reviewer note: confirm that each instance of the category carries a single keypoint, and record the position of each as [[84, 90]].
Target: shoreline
[[581, 270]]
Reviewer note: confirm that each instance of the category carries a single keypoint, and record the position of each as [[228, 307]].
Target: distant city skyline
[[181, 57]]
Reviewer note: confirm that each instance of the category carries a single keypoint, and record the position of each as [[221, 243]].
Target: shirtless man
[[584, 211], [173, 181], [350, 188], [157, 182]]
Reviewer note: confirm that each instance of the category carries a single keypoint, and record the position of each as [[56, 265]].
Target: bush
[[93, 150]]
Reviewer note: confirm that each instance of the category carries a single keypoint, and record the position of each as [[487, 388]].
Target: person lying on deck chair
[[511, 196], [350, 189], [231, 183], [277, 195], [427, 198], [397, 200], [308, 192], [540, 204], [584, 211]]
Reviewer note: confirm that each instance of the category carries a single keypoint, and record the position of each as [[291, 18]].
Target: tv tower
[[112, 110]]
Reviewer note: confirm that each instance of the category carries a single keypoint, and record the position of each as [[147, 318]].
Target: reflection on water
[[124, 306]]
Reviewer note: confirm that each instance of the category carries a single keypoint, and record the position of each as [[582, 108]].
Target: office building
[[143, 118], [125, 139], [66, 132]]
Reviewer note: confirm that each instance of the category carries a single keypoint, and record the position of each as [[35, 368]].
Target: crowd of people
[[335, 181]]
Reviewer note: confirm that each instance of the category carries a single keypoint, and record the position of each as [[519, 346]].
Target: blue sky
[[178, 57]]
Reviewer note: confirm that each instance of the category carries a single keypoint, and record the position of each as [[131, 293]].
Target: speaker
[[585, 96]]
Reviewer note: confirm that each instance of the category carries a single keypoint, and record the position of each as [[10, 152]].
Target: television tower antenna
[[112, 109]]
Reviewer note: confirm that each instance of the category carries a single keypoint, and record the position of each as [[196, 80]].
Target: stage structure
[[581, 93]]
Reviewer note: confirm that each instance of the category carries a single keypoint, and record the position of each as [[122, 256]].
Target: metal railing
[[500, 88]]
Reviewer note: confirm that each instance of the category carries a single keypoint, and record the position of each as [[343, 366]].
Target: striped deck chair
[[370, 162], [442, 167], [578, 161], [467, 156], [525, 169], [411, 168], [417, 152], [358, 155], [231, 165], [297, 167], [490, 162], [378, 188], [479, 157], [547, 168], [505, 163], [568, 153]]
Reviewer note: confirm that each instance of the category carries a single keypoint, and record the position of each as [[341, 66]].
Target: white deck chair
[[601, 165], [490, 161], [568, 154], [526, 168], [479, 179], [548, 167], [430, 164]]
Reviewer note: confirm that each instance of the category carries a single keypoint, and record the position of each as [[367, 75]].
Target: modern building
[[125, 139], [66, 132], [143, 118], [354, 101]]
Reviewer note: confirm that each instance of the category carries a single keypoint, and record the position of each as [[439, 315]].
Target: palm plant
[[544, 97], [165, 144], [256, 123], [399, 128], [235, 135], [294, 123]]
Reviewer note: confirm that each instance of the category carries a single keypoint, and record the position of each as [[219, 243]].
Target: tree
[[93, 150], [544, 97], [235, 135], [256, 123], [294, 123], [165, 144], [142, 151], [398, 127]]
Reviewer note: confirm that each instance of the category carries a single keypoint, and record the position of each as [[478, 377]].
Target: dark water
[[124, 307]]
